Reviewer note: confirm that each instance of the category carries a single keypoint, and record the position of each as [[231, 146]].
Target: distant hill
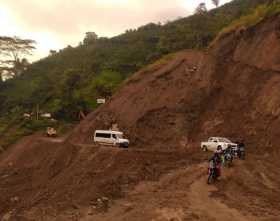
[[71, 80]]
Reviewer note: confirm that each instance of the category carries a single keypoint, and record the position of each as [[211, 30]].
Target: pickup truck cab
[[214, 142], [109, 137]]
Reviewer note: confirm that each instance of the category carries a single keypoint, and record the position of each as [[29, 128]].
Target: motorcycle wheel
[[210, 179]]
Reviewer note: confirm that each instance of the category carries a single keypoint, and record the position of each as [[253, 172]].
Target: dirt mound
[[165, 110]]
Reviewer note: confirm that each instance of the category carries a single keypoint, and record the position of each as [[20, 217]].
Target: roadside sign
[[101, 101]]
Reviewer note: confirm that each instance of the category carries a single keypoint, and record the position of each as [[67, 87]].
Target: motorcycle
[[212, 175], [228, 159]]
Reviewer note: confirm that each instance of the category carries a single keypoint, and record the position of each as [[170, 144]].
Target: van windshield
[[119, 136]]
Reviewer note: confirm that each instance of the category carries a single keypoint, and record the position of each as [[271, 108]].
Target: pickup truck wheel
[[204, 148]]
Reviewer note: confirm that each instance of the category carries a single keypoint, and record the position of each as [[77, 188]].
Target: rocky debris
[[75, 206], [128, 206], [115, 127], [100, 205], [7, 216], [15, 199], [4, 176], [192, 69], [91, 210]]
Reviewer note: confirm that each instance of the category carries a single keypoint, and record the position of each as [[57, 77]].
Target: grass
[[165, 59], [257, 15], [150, 68]]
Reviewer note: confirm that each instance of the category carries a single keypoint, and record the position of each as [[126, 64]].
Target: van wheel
[[123, 145], [204, 148]]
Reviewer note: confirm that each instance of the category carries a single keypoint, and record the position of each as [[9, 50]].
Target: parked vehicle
[[51, 132], [109, 137], [214, 142]]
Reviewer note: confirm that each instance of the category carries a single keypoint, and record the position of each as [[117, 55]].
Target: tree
[[12, 52], [90, 38], [201, 8], [52, 52], [216, 2]]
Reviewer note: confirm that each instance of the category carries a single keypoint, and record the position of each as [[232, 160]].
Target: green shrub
[[257, 15], [36, 125], [165, 59]]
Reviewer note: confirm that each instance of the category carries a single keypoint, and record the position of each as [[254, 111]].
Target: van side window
[[103, 135], [114, 136]]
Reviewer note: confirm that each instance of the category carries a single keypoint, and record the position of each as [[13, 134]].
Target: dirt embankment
[[166, 110]]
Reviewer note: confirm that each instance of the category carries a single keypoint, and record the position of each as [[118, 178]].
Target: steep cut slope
[[154, 106], [234, 93], [166, 110]]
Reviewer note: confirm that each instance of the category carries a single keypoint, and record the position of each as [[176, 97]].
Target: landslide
[[231, 91], [166, 109]]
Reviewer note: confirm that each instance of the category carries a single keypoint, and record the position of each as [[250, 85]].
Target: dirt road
[[181, 195]]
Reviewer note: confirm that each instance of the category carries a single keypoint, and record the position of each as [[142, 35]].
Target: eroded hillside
[[166, 110], [231, 90]]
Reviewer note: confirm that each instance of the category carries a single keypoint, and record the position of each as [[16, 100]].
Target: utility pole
[[37, 112]]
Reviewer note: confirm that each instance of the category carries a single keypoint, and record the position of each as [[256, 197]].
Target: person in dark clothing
[[228, 156], [241, 150], [215, 162]]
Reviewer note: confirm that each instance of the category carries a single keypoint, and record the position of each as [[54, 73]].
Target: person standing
[[241, 150]]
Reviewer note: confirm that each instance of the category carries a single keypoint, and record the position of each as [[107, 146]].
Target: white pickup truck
[[214, 142]]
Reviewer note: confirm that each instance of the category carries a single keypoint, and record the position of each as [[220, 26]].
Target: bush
[[35, 125], [256, 16]]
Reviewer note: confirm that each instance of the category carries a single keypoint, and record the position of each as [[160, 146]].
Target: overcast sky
[[54, 24]]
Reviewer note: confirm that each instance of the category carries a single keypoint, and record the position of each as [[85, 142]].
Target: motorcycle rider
[[215, 163], [219, 150], [228, 154]]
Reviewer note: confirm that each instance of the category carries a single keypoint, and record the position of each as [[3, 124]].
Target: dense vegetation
[[71, 80], [257, 15]]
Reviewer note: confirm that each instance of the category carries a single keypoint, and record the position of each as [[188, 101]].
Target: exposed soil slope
[[166, 110], [234, 93]]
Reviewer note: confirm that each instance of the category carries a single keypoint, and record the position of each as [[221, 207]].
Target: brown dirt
[[166, 110]]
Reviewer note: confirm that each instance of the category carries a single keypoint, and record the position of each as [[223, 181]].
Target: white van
[[110, 137]]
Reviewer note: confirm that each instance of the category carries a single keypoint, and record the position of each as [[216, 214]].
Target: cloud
[[66, 21], [108, 16]]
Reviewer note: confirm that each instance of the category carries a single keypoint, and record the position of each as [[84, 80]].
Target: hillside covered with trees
[[69, 81]]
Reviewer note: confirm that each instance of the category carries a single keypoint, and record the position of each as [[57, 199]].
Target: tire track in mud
[[209, 208]]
